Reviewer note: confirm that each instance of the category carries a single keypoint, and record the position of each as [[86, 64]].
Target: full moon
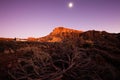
[[70, 5]]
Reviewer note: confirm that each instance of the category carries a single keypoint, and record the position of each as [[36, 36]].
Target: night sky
[[37, 18]]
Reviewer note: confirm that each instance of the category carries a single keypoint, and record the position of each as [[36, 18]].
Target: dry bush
[[63, 61], [35, 64]]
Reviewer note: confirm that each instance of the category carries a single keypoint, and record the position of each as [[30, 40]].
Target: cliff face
[[62, 30], [60, 34]]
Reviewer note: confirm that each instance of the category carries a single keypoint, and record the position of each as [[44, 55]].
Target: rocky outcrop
[[60, 34], [62, 30]]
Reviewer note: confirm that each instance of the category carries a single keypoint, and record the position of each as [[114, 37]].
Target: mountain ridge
[[60, 34]]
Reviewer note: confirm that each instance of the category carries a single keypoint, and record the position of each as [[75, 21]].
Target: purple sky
[[36, 18]]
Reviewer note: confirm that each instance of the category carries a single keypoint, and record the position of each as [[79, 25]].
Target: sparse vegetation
[[82, 58]]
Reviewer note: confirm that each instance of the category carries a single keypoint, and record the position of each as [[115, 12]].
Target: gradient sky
[[36, 18]]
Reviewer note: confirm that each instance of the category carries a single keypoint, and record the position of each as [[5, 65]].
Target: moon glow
[[70, 5]]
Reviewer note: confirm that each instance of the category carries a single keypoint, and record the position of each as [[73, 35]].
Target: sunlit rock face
[[60, 34], [62, 30]]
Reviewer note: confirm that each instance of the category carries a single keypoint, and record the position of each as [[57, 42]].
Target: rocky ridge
[[59, 34]]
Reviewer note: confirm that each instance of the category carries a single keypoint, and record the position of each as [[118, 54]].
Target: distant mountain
[[60, 34]]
